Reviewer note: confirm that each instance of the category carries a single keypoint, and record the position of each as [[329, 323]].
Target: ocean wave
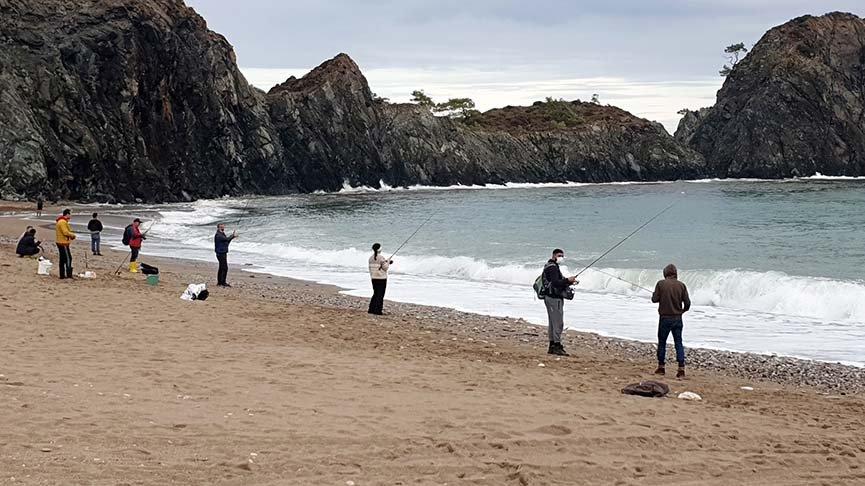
[[347, 188], [765, 292]]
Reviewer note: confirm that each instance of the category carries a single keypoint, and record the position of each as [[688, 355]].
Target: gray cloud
[[639, 41]]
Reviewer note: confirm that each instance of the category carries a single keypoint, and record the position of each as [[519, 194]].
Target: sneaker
[[559, 350], [680, 373], [552, 349], [660, 371]]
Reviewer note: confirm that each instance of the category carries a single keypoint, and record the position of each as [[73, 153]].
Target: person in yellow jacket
[[63, 239]]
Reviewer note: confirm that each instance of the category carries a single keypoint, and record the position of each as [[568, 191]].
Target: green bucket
[[153, 279]]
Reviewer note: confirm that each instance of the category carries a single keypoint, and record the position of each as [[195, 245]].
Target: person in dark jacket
[[555, 285], [220, 243], [40, 203], [95, 229], [28, 245], [672, 298]]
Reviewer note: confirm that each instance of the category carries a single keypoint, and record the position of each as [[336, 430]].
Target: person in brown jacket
[[672, 298]]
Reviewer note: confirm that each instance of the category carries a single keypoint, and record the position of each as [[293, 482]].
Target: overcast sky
[[651, 57]]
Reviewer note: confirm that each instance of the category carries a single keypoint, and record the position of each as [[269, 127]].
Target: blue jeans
[[95, 238], [666, 325]]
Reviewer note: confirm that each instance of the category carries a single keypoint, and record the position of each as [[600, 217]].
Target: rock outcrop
[[122, 100], [795, 105], [126, 100]]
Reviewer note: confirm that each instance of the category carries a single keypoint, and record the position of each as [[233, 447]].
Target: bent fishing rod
[[412, 235], [620, 243]]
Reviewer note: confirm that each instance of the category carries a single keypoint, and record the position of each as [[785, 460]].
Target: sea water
[[771, 266]]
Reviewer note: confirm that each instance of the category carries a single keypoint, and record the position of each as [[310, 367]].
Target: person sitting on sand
[[672, 298], [555, 285], [378, 267], [28, 245], [63, 238]]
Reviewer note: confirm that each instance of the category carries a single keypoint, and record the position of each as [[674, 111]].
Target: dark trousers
[[667, 325], [134, 256], [222, 273], [376, 303], [65, 261]]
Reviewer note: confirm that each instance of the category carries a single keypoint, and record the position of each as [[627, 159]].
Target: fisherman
[[555, 286], [221, 242], [63, 239], [28, 245], [40, 203], [671, 295], [378, 267], [95, 229], [133, 237]]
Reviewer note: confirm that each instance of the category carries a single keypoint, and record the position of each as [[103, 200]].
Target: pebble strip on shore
[[826, 377]]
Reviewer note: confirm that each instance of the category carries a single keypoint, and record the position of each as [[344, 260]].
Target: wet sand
[[275, 381]]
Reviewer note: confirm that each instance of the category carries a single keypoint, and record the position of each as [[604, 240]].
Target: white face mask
[[560, 259]]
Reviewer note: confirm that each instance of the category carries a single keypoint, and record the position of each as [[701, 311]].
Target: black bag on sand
[[203, 295], [149, 269], [648, 388]]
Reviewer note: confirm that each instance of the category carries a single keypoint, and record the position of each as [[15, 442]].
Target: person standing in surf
[[672, 298], [220, 243], [378, 267], [555, 286], [63, 238]]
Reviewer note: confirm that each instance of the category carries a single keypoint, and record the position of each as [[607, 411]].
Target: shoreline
[[278, 381], [823, 376]]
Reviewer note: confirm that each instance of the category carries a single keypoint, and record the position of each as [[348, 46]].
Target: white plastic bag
[[192, 291], [44, 267]]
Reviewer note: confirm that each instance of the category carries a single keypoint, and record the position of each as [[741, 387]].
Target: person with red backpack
[[133, 237]]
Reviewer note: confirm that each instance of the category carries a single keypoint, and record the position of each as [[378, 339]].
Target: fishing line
[[412, 235], [623, 280], [620, 243]]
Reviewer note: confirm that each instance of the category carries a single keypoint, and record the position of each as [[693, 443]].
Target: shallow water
[[772, 266]]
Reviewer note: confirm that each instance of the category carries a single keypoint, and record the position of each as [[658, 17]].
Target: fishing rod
[[623, 280], [412, 235], [117, 271], [620, 243]]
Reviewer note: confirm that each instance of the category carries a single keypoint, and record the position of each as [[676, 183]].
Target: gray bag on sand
[[648, 388]]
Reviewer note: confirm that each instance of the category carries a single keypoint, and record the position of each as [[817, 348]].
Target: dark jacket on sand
[[221, 242], [671, 295], [557, 282], [27, 245]]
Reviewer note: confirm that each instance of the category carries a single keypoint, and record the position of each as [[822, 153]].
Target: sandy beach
[[275, 381]]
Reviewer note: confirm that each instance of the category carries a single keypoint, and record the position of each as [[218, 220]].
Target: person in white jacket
[[378, 266]]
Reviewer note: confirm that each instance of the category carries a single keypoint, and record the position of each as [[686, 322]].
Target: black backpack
[[541, 286], [127, 235]]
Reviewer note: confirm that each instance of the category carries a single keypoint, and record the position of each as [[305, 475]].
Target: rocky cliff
[[794, 106], [127, 100]]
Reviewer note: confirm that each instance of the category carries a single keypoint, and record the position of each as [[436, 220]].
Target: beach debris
[[647, 388], [195, 292], [747, 388], [88, 275], [349, 483], [690, 396], [541, 365], [45, 449]]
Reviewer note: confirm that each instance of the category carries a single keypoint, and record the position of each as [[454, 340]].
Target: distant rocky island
[[122, 101]]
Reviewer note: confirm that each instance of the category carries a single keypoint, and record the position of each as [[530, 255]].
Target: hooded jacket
[[137, 237], [671, 295], [63, 229]]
